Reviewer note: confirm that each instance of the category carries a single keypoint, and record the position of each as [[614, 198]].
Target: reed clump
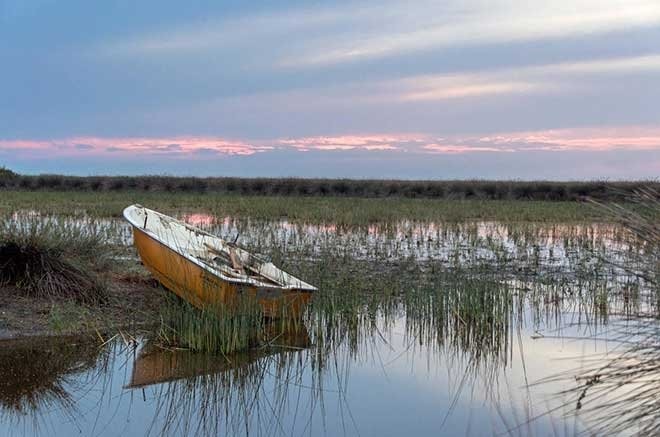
[[42, 258], [215, 328]]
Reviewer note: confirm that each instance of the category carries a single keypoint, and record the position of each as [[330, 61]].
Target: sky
[[453, 89]]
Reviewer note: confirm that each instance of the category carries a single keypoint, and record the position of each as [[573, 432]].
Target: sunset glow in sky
[[504, 89]]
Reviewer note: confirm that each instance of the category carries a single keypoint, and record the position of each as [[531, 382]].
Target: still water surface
[[390, 385]]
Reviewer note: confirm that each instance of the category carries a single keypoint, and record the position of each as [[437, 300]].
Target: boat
[[206, 270]]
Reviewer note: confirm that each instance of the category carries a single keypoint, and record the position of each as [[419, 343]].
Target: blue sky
[[500, 89]]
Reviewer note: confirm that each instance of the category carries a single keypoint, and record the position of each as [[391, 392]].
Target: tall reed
[[621, 394], [215, 328]]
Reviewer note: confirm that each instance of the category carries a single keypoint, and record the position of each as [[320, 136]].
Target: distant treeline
[[457, 189]]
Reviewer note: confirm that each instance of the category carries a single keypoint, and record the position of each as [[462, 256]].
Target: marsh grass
[[215, 328], [461, 289], [310, 209], [470, 315], [48, 259], [456, 287], [454, 281]]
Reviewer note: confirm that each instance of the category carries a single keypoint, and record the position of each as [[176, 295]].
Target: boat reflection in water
[[156, 365], [195, 393]]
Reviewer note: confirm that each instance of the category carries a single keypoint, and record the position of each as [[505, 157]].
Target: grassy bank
[[457, 189], [313, 209]]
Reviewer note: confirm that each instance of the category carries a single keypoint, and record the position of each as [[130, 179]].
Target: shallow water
[[390, 385], [551, 245], [432, 361]]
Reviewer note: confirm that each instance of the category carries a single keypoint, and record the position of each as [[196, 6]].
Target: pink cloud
[[191, 145], [101, 145], [25, 144], [594, 139], [586, 139]]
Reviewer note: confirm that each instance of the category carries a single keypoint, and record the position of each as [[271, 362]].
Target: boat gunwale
[[307, 288]]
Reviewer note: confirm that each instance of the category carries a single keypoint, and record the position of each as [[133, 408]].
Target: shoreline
[[131, 305]]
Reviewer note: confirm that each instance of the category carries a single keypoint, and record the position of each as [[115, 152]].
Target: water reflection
[[38, 375], [395, 383], [155, 364]]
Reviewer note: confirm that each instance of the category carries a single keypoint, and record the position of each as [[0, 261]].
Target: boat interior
[[231, 261]]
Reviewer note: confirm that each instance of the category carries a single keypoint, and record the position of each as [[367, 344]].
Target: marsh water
[[475, 328]]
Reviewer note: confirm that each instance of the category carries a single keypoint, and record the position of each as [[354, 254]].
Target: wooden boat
[[206, 270]]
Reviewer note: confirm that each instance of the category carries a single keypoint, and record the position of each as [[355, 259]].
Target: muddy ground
[[133, 304]]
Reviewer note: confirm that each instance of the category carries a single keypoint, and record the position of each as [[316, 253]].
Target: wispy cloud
[[454, 24], [467, 87], [219, 34], [315, 36], [545, 78], [555, 79], [627, 64]]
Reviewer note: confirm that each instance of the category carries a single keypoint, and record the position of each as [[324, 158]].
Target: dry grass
[[46, 259], [643, 225]]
